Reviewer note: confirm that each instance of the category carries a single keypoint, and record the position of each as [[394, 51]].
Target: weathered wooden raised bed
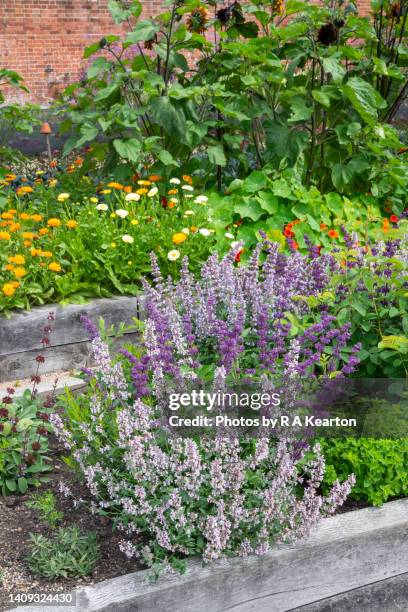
[[20, 336], [347, 556]]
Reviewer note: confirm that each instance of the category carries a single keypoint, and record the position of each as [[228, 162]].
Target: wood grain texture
[[344, 552], [20, 336]]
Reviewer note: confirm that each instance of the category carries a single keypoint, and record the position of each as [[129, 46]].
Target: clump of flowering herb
[[214, 497]]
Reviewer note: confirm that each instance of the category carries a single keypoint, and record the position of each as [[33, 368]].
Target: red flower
[[323, 226], [40, 359], [164, 201], [394, 219], [288, 233], [238, 255], [333, 234]]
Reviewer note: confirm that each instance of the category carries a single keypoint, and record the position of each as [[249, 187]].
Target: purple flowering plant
[[215, 496]]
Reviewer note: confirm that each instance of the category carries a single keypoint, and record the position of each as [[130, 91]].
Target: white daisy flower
[[127, 238], [102, 207], [185, 231], [230, 236], [153, 191], [188, 213], [187, 188], [122, 213], [175, 181], [201, 199], [173, 255], [204, 232], [132, 197]]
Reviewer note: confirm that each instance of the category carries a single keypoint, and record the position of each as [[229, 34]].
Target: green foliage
[[288, 97], [45, 504], [70, 554], [24, 430], [380, 467]]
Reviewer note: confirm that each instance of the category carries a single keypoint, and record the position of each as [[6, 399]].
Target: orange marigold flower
[[37, 218], [5, 236], [28, 235], [12, 211], [71, 224], [9, 289], [17, 259], [187, 179], [43, 231], [24, 216], [19, 272], [54, 266], [24, 189], [7, 215], [114, 185], [179, 238], [333, 234], [54, 222], [4, 223], [14, 227]]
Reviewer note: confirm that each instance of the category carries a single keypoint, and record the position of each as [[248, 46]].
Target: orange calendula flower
[[172, 192], [142, 191], [27, 243], [171, 204], [17, 259], [323, 226], [128, 189], [46, 254], [28, 235], [9, 289], [12, 211], [71, 224], [79, 161], [333, 234], [43, 231], [24, 217], [37, 218], [114, 185], [193, 229], [187, 179], [54, 222], [35, 252], [24, 189], [19, 272], [10, 177], [154, 178], [7, 215], [179, 238], [14, 227], [9, 267], [5, 236], [143, 182], [54, 266]]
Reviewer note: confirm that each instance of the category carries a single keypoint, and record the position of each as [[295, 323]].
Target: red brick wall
[[43, 40]]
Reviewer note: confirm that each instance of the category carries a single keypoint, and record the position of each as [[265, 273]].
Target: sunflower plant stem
[[168, 47], [312, 149]]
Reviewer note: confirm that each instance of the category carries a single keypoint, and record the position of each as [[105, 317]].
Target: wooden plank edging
[[344, 552]]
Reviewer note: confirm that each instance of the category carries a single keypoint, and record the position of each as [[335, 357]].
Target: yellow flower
[[43, 231], [141, 191], [113, 245], [28, 235], [35, 252], [5, 236], [194, 229], [71, 224], [24, 216], [172, 191], [134, 222], [54, 222], [179, 238], [52, 182], [39, 172], [14, 227], [23, 190], [130, 263], [46, 254], [27, 243], [7, 215], [19, 272], [36, 218], [187, 179], [94, 200], [9, 289], [17, 259], [112, 215], [62, 197], [115, 185], [12, 211], [128, 189], [54, 266], [106, 191], [9, 267], [142, 182]]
